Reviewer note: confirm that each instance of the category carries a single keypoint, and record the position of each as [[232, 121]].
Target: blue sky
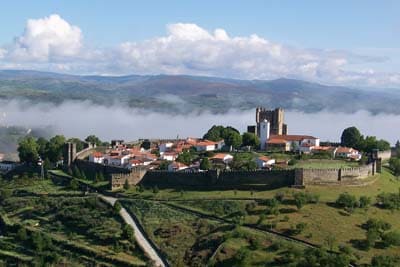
[[367, 30]]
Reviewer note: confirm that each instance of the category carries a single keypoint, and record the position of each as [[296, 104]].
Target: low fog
[[81, 118]]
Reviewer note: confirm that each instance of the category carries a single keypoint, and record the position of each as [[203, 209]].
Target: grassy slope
[[36, 214], [322, 219]]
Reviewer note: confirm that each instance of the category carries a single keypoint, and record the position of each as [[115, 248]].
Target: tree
[[346, 200], [250, 139], [364, 202], [397, 148], [385, 261], [391, 238], [28, 150], [93, 140], [146, 144], [55, 148], [185, 157], [233, 139], [163, 165], [300, 200], [117, 206], [205, 164], [372, 236], [42, 146], [128, 232], [351, 137], [74, 184], [394, 164], [214, 133]]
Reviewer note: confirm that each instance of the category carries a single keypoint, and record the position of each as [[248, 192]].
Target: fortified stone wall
[[385, 155], [229, 179], [118, 180], [333, 176], [92, 167], [176, 179], [258, 177]]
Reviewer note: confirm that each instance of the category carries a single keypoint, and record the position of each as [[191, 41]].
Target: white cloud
[[51, 43], [47, 39]]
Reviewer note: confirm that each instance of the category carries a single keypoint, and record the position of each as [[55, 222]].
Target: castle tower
[[275, 117], [69, 153], [264, 133]]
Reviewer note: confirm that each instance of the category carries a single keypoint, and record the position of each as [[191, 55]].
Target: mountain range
[[183, 93]]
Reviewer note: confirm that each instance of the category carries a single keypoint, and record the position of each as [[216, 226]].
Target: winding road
[[139, 236]]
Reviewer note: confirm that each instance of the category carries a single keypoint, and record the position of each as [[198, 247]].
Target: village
[[270, 139]]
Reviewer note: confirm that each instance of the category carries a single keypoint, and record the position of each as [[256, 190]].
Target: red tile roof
[[220, 156], [292, 137], [264, 158], [97, 154]]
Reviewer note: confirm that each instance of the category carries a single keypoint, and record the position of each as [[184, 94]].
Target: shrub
[[372, 236], [117, 206], [385, 261], [378, 225], [300, 228], [128, 232], [389, 200], [74, 184], [391, 238], [348, 201], [364, 202]]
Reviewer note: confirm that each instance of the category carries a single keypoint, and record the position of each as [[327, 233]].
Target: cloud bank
[[51, 43], [80, 119]]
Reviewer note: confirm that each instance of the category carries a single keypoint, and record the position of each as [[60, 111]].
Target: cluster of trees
[[378, 231], [232, 137], [352, 137], [350, 202], [389, 200], [303, 198], [51, 151], [313, 257]]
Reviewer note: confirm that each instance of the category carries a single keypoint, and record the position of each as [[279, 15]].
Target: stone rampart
[[273, 178], [305, 177], [385, 155]]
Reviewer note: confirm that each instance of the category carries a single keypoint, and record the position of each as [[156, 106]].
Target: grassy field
[[322, 220], [189, 240], [324, 164]]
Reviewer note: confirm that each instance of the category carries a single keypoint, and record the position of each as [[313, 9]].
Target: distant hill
[[183, 93]]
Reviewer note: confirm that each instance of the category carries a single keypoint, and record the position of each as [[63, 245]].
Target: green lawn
[[324, 164]]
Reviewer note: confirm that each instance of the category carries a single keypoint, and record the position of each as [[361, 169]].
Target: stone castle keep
[[274, 117]]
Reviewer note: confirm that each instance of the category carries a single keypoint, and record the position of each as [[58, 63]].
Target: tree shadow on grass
[[287, 210]]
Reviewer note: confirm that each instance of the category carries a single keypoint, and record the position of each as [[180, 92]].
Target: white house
[[176, 166], [302, 143], [348, 153], [170, 156], [222, 158], [263, 162], [96, 157], [165, 147], [120, 160], [208, 145], [134, 163]]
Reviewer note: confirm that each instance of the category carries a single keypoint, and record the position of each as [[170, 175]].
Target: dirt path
[[139, 236]]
